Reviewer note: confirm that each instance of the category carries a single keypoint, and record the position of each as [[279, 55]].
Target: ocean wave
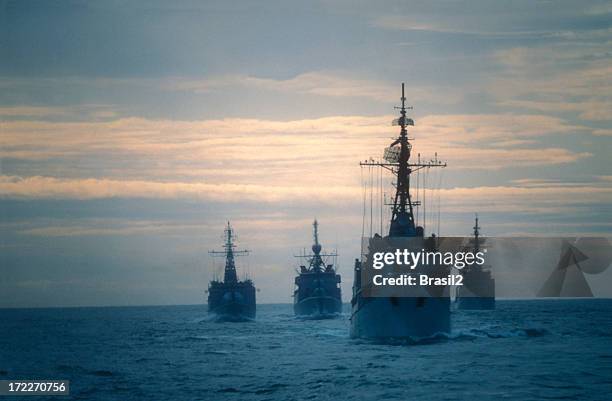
[[460, 335], [261, 390], [216, 353], [204, 319], [196, 338], [436, 338], [77, 369], [331, 333], [319, 316], [493, 333], [229, 390]]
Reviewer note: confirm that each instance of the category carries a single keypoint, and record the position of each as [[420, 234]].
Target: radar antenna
[[316, 263], [397, 160], [229, 253]]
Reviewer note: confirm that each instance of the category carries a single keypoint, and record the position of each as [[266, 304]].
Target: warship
[[478, 289], [317, 287], [381, 318], [231, 299]]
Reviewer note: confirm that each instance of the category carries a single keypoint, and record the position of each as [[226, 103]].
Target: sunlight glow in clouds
[[467, 141]]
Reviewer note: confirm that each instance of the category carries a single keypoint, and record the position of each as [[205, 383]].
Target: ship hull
[[400, 318], [232, 302], [318, 307], [475, 303], [317, 294], [233, 312]]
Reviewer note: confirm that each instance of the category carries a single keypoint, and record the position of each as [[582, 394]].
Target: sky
[[132, 131]]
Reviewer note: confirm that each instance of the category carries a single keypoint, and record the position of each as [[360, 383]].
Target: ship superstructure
[[231, 299], [478, 289], [399, 317], [317, 287]]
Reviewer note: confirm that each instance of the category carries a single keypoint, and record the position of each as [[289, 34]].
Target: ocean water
[[525, 350]]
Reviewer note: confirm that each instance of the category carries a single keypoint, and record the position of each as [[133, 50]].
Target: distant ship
[[231, 299], [317, 287], [399, 317], [478, 289]]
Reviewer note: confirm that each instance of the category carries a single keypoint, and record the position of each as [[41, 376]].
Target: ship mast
[[476, 236], [397, 157], [229, 253], [316, 264]]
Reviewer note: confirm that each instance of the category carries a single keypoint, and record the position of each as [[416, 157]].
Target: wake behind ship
[[478, 289], [317, 288], [399, 317], [231, 299]]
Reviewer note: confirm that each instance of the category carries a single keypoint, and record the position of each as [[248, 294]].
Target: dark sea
[[525, 350]]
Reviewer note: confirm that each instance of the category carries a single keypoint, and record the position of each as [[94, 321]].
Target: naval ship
[[381, 318], [478, 289], [317, 287], [231, 299]]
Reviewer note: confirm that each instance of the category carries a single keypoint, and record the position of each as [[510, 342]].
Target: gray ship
[[317, 287], [231, 299], [399, 317], [478, 289]]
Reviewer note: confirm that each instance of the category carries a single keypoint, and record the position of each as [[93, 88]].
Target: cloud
[[524, 196], [316, 83], [462, 25], [93, 111], [311, 83], [111, 227], [541, 199], [540, 182], [32, 111], [599, 9], [210, 226], [571, 76], [269, 149], [55, 188], [262, 161], [323, 83], [478, 127]]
